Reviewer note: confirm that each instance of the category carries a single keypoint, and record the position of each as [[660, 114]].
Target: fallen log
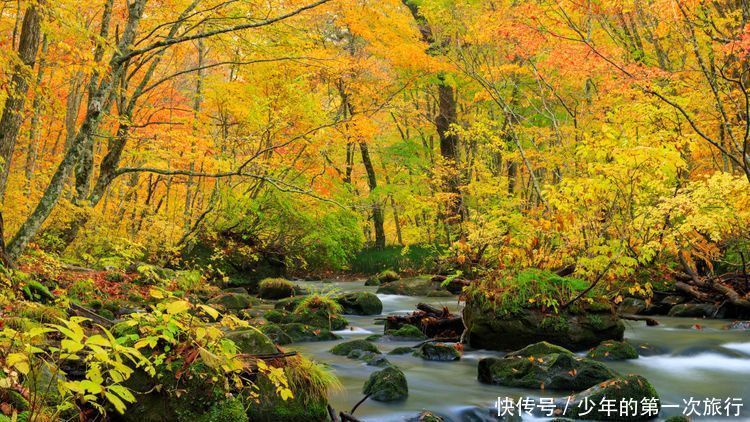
[[345, 417], [88, 313], [432, 321]]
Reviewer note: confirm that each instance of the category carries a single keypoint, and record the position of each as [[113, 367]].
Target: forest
[[374, 210]]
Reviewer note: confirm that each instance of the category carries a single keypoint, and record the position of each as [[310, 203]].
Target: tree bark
[[377, 210], [93, 116], [33, 150], [10, 122]]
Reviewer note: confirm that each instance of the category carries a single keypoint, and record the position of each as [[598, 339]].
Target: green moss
[[309, 384], [295, 333], [557, 371], [388, 384], [530, 288], [387, 276], [231, 410], [251, 341], [275, 288], [613, 350], [233, 301], [596, 321], [345, 348], [557, 323], [438, 352], [360, 303], [401, 351], [540, 349], [407, 332]]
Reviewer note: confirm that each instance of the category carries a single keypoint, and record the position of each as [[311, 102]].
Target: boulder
[[492, 329], [360, 303], [556, 371], [252, 342], [401, 351], [289, 303], [343, 349], [238, 290], [617, 390], [427, 416], [611, 350], [386, 276], [408, 287], [406, 333], [319, 318], [386, 385], [632, 305], [296, 333], [275, 288], [370, 358], [694, 310], [233, 301], [539, 349], [438, 352]]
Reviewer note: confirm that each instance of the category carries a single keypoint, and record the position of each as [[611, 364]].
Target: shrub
[[530, 288], [275, 288]]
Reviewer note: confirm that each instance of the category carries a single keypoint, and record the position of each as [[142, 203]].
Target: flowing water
[[685, 361]]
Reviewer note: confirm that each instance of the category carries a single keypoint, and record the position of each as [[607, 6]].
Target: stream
[[684, 362]]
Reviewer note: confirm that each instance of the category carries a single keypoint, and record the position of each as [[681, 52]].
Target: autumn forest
[[374, 210]]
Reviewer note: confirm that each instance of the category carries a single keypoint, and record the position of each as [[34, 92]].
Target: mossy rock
[[313, 317], [401, 351], [613, 350], [275, 288], [309, 401], [495, 329], [320, 318], [618, 389], [632, 305], [289, 304], [387, 385], [345, 348], [252, 342], [360, 303], [557, 371], [539, 349], [441, 352], [233, 301], [406, 333], [374, 337], [372, 281], [407, 287], [370, 358], [440, 293], [283, 334], [427, 416], [695, 310], [679, 418], [387, 276]]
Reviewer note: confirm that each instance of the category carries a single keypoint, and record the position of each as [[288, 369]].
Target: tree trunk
[[33, 150], [377, 210], [90, 123], [10, 122]]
